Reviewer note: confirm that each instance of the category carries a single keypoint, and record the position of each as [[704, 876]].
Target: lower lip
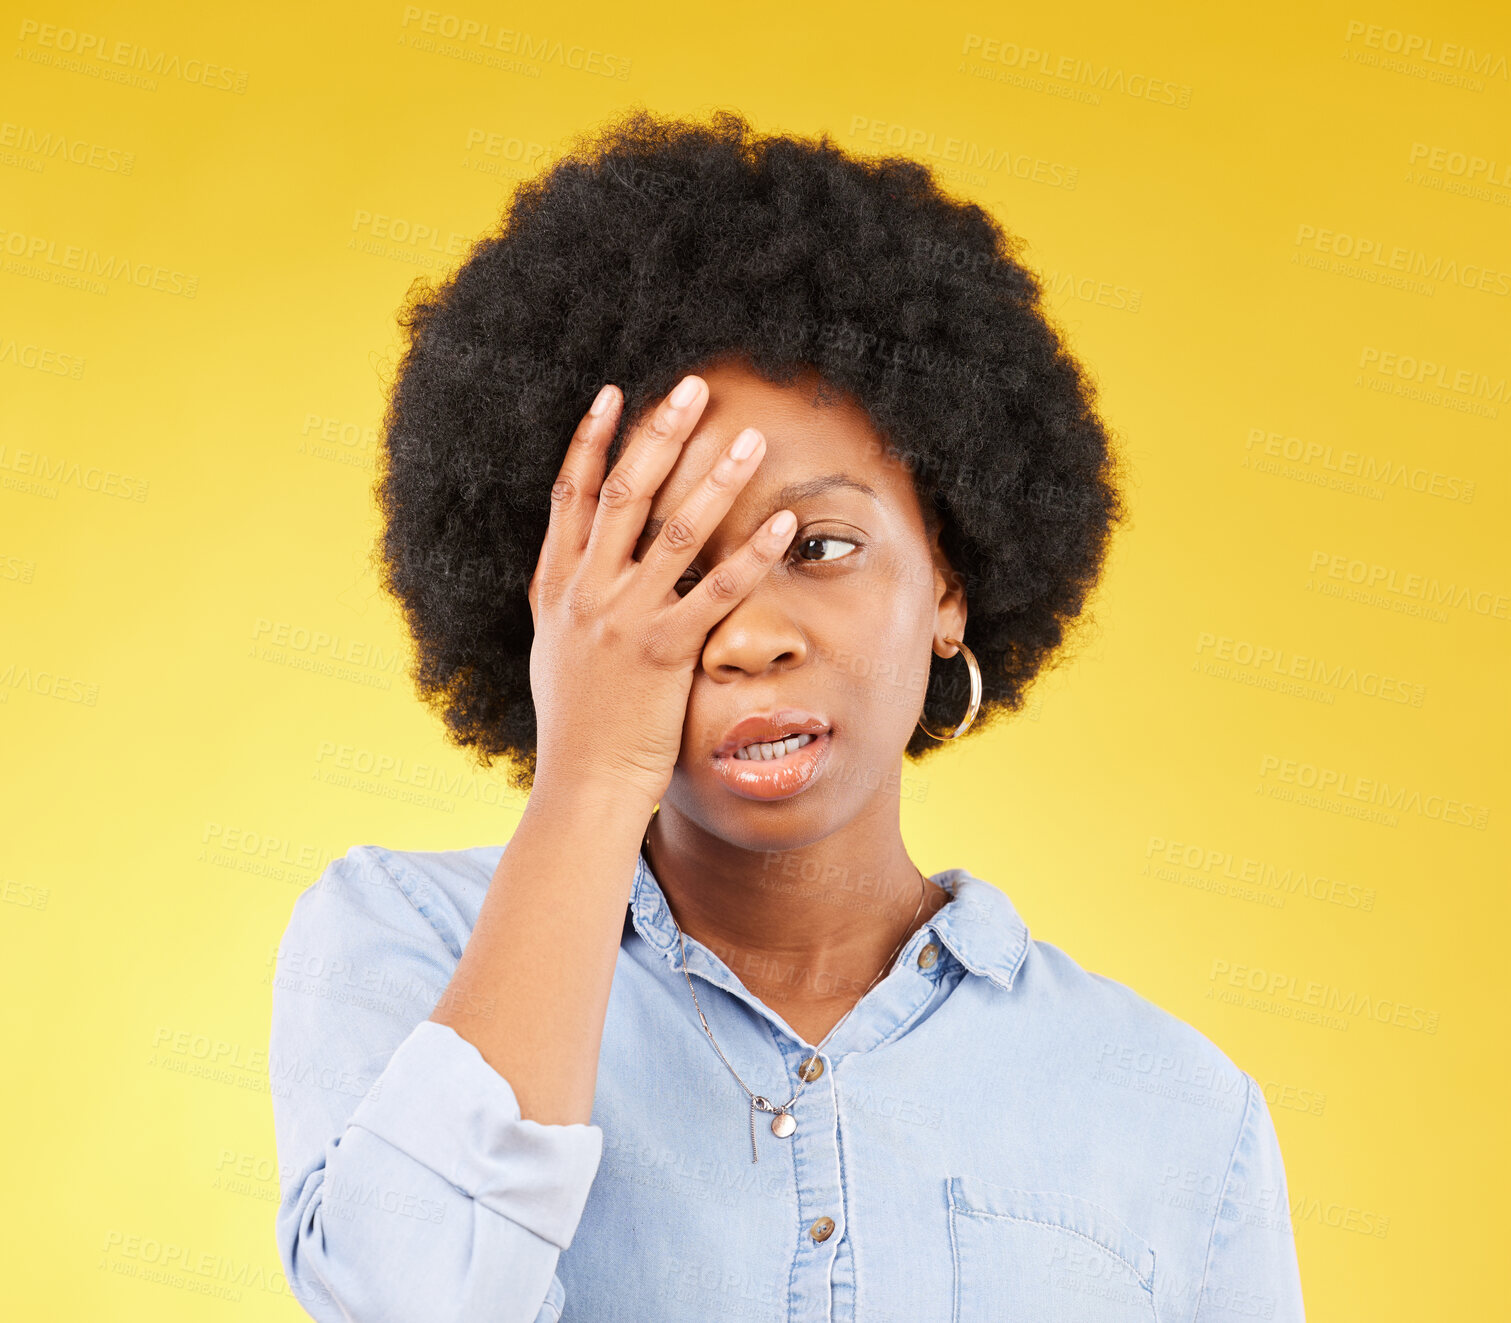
[[776, 778]]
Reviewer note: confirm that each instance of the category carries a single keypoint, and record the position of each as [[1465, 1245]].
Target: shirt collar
[[979, 926]]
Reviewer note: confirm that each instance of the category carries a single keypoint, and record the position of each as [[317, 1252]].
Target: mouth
[[771, 735], [770, 750], [773, 756]]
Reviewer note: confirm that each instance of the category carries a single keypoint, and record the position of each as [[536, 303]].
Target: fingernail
[[601, 401], [745, 444], [783, 524], [684, 393]]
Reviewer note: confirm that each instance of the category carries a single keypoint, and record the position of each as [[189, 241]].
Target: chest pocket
[[1038, 1256]]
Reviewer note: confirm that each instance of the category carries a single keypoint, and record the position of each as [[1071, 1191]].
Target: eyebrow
[[792, 493]]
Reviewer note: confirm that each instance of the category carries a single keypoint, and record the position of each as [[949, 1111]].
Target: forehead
[[812, 431]]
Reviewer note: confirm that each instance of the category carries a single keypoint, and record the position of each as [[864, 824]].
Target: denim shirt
[[993, 1133]]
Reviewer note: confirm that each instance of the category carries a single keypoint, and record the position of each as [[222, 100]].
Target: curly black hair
[[655, 246]]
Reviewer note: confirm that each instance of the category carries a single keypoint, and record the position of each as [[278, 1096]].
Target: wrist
[[611, 800]]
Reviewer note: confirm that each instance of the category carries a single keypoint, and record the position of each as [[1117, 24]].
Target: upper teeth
[[775, 749]]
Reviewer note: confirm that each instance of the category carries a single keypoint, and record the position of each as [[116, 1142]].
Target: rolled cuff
[[440, 1103]]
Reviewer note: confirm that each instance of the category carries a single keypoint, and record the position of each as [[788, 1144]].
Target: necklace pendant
[[783, 1124]]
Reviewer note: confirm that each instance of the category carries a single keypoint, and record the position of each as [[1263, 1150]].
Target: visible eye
[[687, 582], [821, 538]]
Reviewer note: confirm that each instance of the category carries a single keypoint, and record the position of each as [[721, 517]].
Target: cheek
[[875, 652]]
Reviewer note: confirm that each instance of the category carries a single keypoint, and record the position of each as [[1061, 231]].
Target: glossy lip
[[775, 778], [767, 727]]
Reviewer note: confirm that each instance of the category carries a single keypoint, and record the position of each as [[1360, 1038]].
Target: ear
[[532, 593], [949, 589]]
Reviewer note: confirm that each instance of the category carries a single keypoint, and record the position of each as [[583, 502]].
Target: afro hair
[[657, 245]]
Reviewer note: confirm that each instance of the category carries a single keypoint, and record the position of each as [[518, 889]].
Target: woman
[[702, 1042]]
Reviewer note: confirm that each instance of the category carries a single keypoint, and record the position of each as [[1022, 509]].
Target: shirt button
[[928, 956], [811, 1069], [820, 1230]]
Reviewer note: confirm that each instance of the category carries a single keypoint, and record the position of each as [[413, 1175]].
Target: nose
[[757, 635]]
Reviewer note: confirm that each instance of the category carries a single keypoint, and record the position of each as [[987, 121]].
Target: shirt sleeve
[[1251, 1268], [411, 1188]]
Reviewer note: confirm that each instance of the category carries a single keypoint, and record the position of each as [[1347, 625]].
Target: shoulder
[[432, 894], [1052, 999], [1051, 996], [1178, 1141], [1175, 1129], [1099, 1002], [1084, 1044], [1151, 1095], [1130, 1039]]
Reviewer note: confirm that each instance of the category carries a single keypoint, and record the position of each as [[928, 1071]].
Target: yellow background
[[183, 752]]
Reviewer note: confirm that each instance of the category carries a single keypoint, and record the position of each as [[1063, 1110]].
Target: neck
[[805, 928]]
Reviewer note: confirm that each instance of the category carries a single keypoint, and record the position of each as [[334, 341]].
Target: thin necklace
[[783, 1123]]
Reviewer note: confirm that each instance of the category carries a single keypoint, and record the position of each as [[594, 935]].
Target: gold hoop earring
[[970, 716]]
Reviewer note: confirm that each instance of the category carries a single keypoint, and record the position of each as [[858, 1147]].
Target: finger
[[681, 537], [624, 497], [574, 494], [731, 580]]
